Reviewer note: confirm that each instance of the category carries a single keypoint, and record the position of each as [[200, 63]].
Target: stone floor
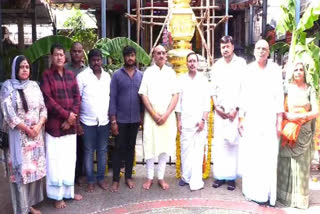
[[176, 200]]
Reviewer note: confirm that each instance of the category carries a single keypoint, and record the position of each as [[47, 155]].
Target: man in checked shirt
[[61, 95]]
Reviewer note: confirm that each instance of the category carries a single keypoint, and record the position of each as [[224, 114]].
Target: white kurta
[[226, 90], [159, 86], [262, 100], [194, 100]]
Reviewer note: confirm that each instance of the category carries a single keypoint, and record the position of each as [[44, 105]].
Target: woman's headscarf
[[7, 89]]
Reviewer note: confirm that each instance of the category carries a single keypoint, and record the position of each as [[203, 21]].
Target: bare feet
[[90, 188], [130, 183], [114, 187], [34, 211], [147, 184], [60, 204], [77, 197], [103, 185], [164, 185]]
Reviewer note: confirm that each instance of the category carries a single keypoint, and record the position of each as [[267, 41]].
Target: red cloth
[[61, 96]]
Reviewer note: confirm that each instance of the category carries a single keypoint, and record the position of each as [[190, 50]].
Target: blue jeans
[[95, 139]]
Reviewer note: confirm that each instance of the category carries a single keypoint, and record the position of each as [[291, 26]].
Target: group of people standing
[[55, 129], [75, 108], [263, 129]]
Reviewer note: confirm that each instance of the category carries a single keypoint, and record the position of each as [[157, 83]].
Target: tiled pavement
[[177, 199]]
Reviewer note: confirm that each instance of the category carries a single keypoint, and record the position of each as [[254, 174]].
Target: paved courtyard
[[177, 199]]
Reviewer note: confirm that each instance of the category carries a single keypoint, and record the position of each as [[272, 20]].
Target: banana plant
[[42, 47], [112, 49], [302, 47]]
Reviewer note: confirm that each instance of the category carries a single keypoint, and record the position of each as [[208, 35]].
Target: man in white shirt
[[159, 93], [94, 86], [260, 124], [192, 113], [227, 74]]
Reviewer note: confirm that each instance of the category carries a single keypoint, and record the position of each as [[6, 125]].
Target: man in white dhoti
[[260, 125], [227, 75], [61, 96], [192, 113], [159, 93]]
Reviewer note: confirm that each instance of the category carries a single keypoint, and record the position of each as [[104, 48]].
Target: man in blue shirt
[[125, 113]]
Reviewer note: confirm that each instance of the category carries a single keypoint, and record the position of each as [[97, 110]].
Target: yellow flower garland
[[207, 162], [206, 172]]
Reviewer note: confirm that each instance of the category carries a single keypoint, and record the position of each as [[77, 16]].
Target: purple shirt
[[125, 102]]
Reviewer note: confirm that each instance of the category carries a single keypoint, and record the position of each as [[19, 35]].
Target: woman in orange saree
[[296, 149]]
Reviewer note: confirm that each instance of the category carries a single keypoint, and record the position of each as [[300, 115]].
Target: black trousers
[[124, 149], [79, 163]]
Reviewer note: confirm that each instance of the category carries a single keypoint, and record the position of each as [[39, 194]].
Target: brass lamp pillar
[[181, 26]]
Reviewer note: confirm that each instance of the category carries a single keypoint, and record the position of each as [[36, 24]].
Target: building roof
[[14, 9]]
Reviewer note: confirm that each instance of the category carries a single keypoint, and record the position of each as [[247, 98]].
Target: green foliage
[[280, 47], [7, 57], [288, 15], [79, 32], [112, 49], [302, 48], [42, 46]]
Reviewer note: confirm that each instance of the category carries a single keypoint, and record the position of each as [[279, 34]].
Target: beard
[[129, 64]]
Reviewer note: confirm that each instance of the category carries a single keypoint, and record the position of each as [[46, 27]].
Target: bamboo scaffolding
[[151, 27], [208, 33], [201, 28], [156, 42], [166, 8], [205, 24], [163, 17]]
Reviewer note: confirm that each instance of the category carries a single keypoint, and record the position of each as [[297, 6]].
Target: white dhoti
[[259, 155], [225, 149], [61, 161], [192, 151]]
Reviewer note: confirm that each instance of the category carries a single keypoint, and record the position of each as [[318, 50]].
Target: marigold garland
[[178, 156], [207, 169], [206, 161]]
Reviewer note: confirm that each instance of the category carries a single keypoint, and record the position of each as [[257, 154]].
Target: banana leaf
[[42, 47], [113, 48]]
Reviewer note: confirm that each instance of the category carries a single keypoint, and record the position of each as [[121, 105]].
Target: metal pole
[[227, 13], [251, 25], [264, 17], [34, 21], [103, 23], [298, 5], [129, 25], [103, 19]]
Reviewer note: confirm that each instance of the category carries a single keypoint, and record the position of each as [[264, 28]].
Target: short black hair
[[226, 39], [56, 46], [127, 50], [94, 52], [192, 53], [74, 44]]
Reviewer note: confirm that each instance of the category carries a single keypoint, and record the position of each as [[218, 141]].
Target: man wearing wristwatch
[[125, 112], [192, 112], [227, 74]]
